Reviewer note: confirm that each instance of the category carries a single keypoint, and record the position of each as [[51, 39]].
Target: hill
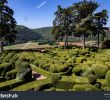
[[45, 32], [25, 34]]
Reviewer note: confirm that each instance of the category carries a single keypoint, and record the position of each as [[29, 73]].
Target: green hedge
[[5, 67], [108, 77], [11, 74], [8, 85], [8, 57], [85, 87], [99, 70], [24, 72]]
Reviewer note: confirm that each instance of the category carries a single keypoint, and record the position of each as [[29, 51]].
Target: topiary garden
[[63, 69]]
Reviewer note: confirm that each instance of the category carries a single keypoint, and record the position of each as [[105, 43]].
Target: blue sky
[[40, 13]]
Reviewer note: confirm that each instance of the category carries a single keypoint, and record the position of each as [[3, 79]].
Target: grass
[[31, 45]]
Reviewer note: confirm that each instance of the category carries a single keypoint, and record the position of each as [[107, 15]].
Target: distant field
[[28, 45]]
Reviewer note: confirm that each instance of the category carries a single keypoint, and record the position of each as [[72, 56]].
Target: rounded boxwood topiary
[[84, 87], [2, 57], [107, 77], [77, 70], [5, 67], [54, 78], [8, 57], [92, 79], [56, 68], [80, 59], [99, 70]]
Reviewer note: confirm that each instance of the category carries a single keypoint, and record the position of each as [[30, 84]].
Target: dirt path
[[38, 76], [26, 45]]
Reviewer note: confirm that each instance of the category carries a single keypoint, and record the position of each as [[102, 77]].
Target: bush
[[107, 64], [46, 66], [11, 74], [54, 78], [84, 52], [2, 57], [8, 57], [99, 70], [77, 70], [101, 59], [19, 61], [92, 79], [80, 59], [50, 89], [106, 88], [85, 68], [24, 72], [56, 68], [14, 59], [84, 87], [106, 44], [89, 63], [5, 67], [107, 77]]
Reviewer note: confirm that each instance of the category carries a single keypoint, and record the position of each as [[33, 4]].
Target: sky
[[40, 13]]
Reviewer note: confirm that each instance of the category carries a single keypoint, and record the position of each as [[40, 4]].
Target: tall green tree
[[100, 20], [7, 24], [84, 12], [61, 24]]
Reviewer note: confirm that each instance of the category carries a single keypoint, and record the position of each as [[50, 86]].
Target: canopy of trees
[[81, 19]]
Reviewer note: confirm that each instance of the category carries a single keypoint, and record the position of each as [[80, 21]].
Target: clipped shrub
[[5, 67], [99, 70], [24, 72], [107, 77], [106, 88], [36, 63], [14, 59], [84, 87], [84, 52], [8, 57], [54, 78], [11, 74], [92, 79], [89, 63], [80, 59], [2, 57], [46, 66], [101, 59], [56, 68], [85, 68], [77, 70], [19, 61], [50, 89], [107, 64]]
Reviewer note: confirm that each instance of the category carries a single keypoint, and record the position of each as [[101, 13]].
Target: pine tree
[[7, 24]]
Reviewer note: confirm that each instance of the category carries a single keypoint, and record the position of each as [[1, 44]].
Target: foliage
[[99, 70], [24, 72], [84, 87], [106, 44]]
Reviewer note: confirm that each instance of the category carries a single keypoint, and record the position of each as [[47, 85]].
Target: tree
[[61, 24], [100, 19], [84, 13], [7, 24]]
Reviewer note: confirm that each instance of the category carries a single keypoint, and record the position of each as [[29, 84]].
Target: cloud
[[42, 4]]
